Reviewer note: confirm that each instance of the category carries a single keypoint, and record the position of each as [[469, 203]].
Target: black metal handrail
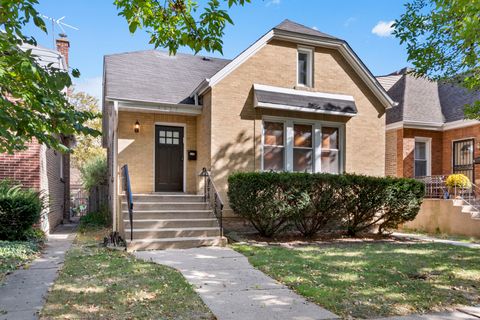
[[212, 197], [128, 193]]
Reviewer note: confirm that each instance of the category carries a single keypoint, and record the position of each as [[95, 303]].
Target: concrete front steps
[[170, 221], [467, 208]]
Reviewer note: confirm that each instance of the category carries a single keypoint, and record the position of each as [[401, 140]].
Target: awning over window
[[304, 101]]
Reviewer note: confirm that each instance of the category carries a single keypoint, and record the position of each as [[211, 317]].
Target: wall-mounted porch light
[[137, 127]]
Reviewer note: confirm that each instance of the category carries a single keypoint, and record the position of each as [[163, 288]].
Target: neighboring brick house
[[295, 100], [426, 133], [39, 167]]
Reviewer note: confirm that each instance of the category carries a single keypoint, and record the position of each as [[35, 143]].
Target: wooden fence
[[98, 198]]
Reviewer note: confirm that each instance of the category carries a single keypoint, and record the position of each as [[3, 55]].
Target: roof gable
[[294, 32]]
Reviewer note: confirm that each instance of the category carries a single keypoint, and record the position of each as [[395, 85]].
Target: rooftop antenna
[[60, 24]]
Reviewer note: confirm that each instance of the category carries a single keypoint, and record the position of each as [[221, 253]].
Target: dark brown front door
[[463, 158], [168, 158]]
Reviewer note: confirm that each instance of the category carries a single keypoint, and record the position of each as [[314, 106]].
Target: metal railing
[[436, 188], [128, 195], [212, 197]]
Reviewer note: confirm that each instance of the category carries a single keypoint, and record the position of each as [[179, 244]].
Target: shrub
[[94, 172], [312, 202], [20, 209], [265, 199], [94, 220], [403, 202], [324, 204], [34, 234], [458, 181]]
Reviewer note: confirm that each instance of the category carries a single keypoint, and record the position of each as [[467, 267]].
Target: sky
[[364, 24]]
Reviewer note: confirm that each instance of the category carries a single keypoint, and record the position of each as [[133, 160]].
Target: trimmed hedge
[[20, 209], [273, 202]]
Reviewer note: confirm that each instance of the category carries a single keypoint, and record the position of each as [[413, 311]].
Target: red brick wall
[[23, 166], [459, 134], [406, 146]]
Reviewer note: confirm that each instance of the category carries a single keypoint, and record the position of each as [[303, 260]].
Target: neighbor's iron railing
[[435, 187], [128, 194], [212, 197]]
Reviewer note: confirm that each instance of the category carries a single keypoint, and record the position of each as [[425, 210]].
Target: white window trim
[[317, 141], [309, 52], [428, 147]]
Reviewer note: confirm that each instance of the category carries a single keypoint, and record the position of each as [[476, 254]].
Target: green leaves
[[33, 100], [176, 23], [443, 42]]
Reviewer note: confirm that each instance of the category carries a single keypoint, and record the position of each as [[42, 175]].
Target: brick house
[[426, 133], [39, 167], [295, 100]]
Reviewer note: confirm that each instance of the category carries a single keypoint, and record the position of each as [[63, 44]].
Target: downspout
[[115, 206]]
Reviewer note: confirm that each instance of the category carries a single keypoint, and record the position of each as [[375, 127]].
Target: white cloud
[[349, 22], [92, 86], [383, 29], [272, 2]]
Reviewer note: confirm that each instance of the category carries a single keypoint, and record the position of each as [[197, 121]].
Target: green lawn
[[99, 283], [375, 279], [14, 254]]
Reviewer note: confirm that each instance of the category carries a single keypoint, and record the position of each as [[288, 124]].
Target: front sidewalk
[[232, 288], [23, 293]]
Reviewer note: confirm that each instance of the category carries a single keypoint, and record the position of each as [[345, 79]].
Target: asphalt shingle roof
[[156, 76], [420, 99]]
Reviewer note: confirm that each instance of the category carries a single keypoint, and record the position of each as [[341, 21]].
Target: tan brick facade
[[227, 135], [137, 149], [236, 124], [400, 149]]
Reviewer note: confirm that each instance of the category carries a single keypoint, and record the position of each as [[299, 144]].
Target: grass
[[14, 254], [375, 279], [100, 283]]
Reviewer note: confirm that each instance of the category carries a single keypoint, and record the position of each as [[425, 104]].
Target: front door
[[463, 158], [168, 158]]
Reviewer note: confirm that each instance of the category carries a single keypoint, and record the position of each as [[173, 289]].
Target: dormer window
[[304, 67]]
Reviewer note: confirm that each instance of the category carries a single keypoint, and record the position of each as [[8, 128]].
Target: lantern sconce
[[137, 127]]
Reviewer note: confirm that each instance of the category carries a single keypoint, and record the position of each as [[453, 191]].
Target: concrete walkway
[[436, 240], [232, 288], [23, 293]]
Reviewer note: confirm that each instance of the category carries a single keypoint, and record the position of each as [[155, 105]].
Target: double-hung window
[[422, 157], [291, 145], [304, 67], [330, 150], [273, 146], [302, 148]]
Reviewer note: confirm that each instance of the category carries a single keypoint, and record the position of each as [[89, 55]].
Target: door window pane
[[273, 149]]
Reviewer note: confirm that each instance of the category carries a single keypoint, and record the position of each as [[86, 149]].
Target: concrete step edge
[[167, 211], [176, 229], [172, 220], [179, 239]]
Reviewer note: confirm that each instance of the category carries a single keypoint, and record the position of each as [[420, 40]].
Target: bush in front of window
[[20, 209], [323, 202], [268, 199]]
